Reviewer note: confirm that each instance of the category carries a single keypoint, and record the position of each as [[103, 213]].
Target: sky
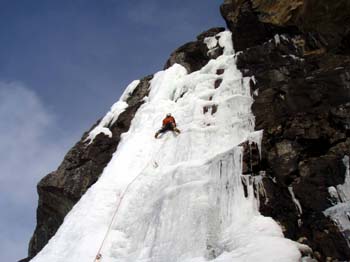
[[63, 63]]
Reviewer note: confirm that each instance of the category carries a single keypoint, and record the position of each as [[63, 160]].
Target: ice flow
[[186, 202]]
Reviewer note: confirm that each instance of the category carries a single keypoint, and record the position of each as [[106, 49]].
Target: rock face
[[81, 167], [194, 55], [328, 20], [301, 66], [251, 158]]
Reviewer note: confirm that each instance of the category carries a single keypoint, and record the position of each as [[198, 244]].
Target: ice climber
[[169, 124]]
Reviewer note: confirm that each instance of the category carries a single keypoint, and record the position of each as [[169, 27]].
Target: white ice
[[113, 114], [211, 42], [186, 202], [295, 200], [277, 39], [344, 189], [340, 213]]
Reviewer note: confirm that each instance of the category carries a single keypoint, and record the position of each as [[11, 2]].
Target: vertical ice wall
[[186, 201]]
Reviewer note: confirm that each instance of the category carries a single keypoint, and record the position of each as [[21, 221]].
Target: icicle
[[192, 207], [295, 200]]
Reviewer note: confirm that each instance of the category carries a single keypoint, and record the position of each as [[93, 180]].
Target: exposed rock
[[240, 18], [326, 20], [194, 55], [25, 260], [302, 106], [251, 158], [210, 33], [277, 12], [220, 71], [302, 103], [81, 168], [217, 83], [277, 202]]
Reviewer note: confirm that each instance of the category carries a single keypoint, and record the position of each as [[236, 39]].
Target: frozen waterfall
[[187, 201]]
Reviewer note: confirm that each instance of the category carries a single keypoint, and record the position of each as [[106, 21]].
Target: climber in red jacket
[[169, 124]]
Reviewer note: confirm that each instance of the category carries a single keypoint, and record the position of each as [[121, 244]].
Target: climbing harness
[[98, 257]]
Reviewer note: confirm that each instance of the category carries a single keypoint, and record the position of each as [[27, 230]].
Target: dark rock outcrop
[[253, 21], [24, 260], [240, 19], [251, 158], [302, 98], [194, 55], [81, 168]]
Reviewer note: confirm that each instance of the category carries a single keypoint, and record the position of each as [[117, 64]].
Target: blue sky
[[63, 63]]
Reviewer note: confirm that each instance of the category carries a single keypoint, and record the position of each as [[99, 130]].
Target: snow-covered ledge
[[112, 116]]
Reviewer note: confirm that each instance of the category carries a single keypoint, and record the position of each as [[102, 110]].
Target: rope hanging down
[[99, 255]]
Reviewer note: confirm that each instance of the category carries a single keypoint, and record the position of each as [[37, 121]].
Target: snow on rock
[[295, 200], [344, 189], [213, 46], [332, 191], [107, 120], [129, 90], [186, 201], [211, 42], [340, 213], [113, 114], [277, 39], [98, 130], [225, 41]]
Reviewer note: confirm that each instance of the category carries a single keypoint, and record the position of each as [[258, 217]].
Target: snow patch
[[340, 213], [211, 42], [332, 191], [294, 58], [344, 189], [285, 38], [277, 39], [225, 41], [129, 90], [107, 121], [254, 80], [112, 116]]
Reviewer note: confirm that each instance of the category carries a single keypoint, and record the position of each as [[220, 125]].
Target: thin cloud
[[28, 151]]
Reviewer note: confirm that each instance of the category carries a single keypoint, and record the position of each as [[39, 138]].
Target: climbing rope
[[99, 255]]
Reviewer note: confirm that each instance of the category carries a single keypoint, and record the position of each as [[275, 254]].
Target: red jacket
[[168, 120]]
